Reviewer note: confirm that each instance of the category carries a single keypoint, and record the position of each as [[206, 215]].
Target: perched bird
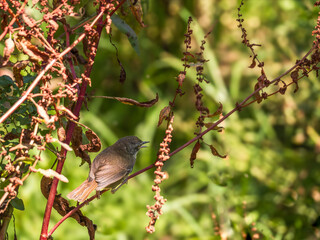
[[110, 168]]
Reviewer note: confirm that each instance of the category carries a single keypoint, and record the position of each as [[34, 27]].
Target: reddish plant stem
[[71, 125], [70, 129], [73, 211]]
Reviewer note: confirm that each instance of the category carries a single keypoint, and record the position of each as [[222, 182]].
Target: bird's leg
[[98, 194], [123, 182]]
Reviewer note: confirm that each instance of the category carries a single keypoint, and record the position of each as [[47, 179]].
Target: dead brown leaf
[[130, 101], [216, 153], [194, 152], [164, 114]]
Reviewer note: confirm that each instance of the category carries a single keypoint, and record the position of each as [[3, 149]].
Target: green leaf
[[28, 79], [6, 83], [17, 203], [26, 160], [128, 31]]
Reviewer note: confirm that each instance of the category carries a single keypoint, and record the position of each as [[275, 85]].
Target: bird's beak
[[144, 142]]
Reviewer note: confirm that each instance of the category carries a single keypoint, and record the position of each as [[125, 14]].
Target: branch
[[71, 125], [38, 78], [238, 107], [70, 129], [21, 9]]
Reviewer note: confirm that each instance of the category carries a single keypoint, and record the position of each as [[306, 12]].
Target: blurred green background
[[271, 175]]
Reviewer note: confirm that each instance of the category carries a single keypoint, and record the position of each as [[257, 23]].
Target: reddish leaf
[[76, 139], [283, 89], [29, 21], [8, 49], [253, 64], [261, 79], [95, 143], [31, 50], [257, 95], [215, 152], [194, 152], [208, 125], [130, 101], [61, 134], [10, 136], [180, 79], [137, 12], [4, 21], [164, 114], [217, 112], [295, 77], [17, 67]]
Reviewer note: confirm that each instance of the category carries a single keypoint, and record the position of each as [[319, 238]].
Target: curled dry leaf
[[123, 74], [8, 50], [54, 24], [209, 125], [76, 138], [217, 112], [181, 77], [29, 21], [31, 50], [10, 136], [257, 95], [66, 110], [78, 147], [42, 113], [137, 12], [130, 101], [95, 143], [253, 63], [4, 21], [52, 173], [295, 77], [215, 152], [61, 134], [64, 145], [194, 152], [164, 114], [17, 67]]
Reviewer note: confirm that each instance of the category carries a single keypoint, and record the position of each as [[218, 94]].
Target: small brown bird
[[110, 168]]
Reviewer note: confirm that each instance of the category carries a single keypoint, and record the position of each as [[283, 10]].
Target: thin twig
[[13, 20], [38, 78]]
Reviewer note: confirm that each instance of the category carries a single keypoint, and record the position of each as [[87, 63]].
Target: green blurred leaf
[[6, 82], [128, 31], [28, 79], [17, 203], [26, 160]]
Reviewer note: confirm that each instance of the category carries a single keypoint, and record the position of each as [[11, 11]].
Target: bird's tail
[[81, 193]]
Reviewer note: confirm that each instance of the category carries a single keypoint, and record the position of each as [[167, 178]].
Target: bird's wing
[[107, 175]]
